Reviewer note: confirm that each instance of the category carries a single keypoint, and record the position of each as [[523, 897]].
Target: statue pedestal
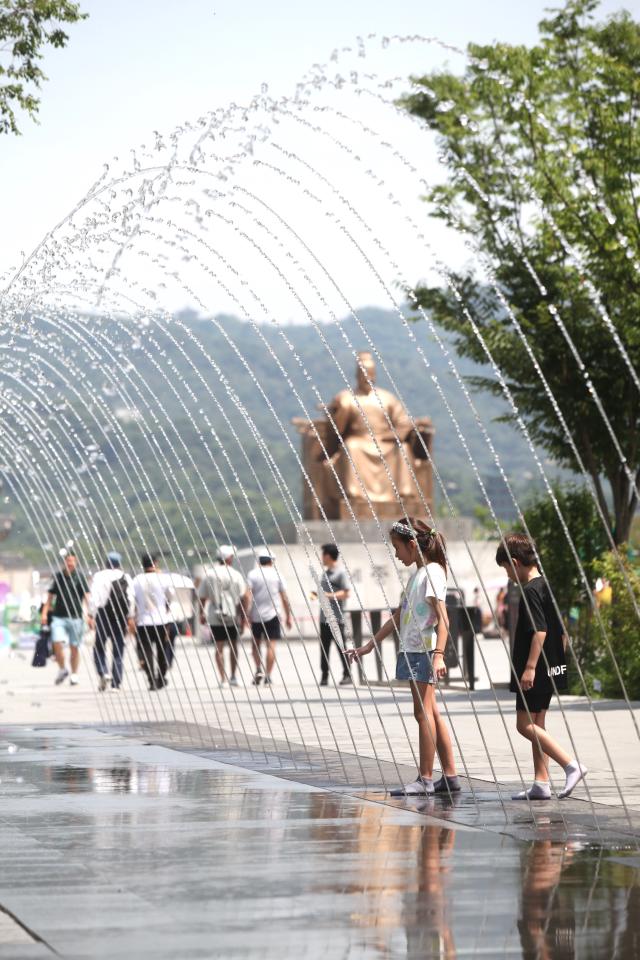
[[376, 579]]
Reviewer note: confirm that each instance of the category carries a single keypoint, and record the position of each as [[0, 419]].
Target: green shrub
[[622, 628], [587, 533]]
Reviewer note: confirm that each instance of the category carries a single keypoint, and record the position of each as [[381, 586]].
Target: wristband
[[438, 653]]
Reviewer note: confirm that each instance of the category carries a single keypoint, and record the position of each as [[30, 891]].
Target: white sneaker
[[61, 676], [74, 679], [233, 682], [420, 787]]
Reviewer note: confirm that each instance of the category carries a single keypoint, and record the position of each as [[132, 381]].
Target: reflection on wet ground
[[115, 847]]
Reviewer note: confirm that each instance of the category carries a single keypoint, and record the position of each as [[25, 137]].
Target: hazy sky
[[141, 65]]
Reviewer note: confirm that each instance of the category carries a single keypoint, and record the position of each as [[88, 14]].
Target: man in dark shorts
[[268, 592], [224, 603], [539, 665]]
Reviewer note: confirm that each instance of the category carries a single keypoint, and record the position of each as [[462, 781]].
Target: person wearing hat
[[267, 590], [67, 595], [111, 601], [153, 597], [224, 602]]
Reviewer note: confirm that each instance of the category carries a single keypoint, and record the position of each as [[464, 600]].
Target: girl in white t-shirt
[[423, 625]]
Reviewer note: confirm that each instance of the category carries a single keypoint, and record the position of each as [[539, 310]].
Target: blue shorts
[[415, 666], [67, 630]]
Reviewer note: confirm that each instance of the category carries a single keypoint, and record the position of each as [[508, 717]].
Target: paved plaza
[[374, 722], [205, 821]]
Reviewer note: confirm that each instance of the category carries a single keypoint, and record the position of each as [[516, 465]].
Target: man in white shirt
[[153, 597], [224, 604], [268, 590], [111, 602]]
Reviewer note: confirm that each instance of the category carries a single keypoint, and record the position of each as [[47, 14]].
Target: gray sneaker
[[61, 677], [420, 787], [446, 785], [233, 682]]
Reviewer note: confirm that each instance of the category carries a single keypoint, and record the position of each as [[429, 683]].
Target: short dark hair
[[331, 550], [517, 546], [148, 560]]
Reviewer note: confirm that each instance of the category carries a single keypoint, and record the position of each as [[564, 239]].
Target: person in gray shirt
[[335, 586]]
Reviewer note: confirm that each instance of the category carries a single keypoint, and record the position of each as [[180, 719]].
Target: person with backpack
[[111, 600], [224, 604]]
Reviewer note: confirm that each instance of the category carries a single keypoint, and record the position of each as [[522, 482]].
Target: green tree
[[26, 27], [587, 534], [621, 624], [542, 150]]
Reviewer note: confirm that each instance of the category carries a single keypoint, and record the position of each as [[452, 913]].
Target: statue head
[[365, 371]]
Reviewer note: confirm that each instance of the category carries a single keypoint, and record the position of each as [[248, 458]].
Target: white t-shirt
[[101, 589], [223, 587], [265, 584], [153, 597], [417, 616]]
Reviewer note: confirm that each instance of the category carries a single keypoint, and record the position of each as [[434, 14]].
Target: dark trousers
[[172, 635], [153, 644], [109, 630], [326, 639]]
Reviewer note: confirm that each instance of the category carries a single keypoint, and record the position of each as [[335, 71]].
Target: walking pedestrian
[[152, 599], [68, 597], [224, 603], [112, 603], [267, 593], [335, 587], [539, 664]]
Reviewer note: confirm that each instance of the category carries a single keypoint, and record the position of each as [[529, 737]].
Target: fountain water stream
[[256, 205]]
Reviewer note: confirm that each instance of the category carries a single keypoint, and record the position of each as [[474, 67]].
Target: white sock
[[539, 790], [574, 773]]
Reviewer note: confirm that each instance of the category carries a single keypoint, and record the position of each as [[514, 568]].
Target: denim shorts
[[415, 666], [67, 630]]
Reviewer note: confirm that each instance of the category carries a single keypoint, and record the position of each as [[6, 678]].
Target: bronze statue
[[372, 449]]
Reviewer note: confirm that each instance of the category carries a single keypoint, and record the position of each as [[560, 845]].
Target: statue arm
[[340, 409], [400, 420]]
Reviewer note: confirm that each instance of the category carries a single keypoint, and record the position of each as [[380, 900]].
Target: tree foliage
[[620, 621], [26, 27], [586, 532], [542, 149]]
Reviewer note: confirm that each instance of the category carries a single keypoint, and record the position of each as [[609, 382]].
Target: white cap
[[263, 553], [225, 550]]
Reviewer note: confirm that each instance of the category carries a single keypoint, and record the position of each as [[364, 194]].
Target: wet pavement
[[375, 724], [116, 847]]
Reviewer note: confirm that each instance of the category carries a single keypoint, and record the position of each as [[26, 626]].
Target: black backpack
[[117, 606]]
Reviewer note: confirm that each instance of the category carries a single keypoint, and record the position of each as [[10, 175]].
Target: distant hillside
[[187, 440]]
